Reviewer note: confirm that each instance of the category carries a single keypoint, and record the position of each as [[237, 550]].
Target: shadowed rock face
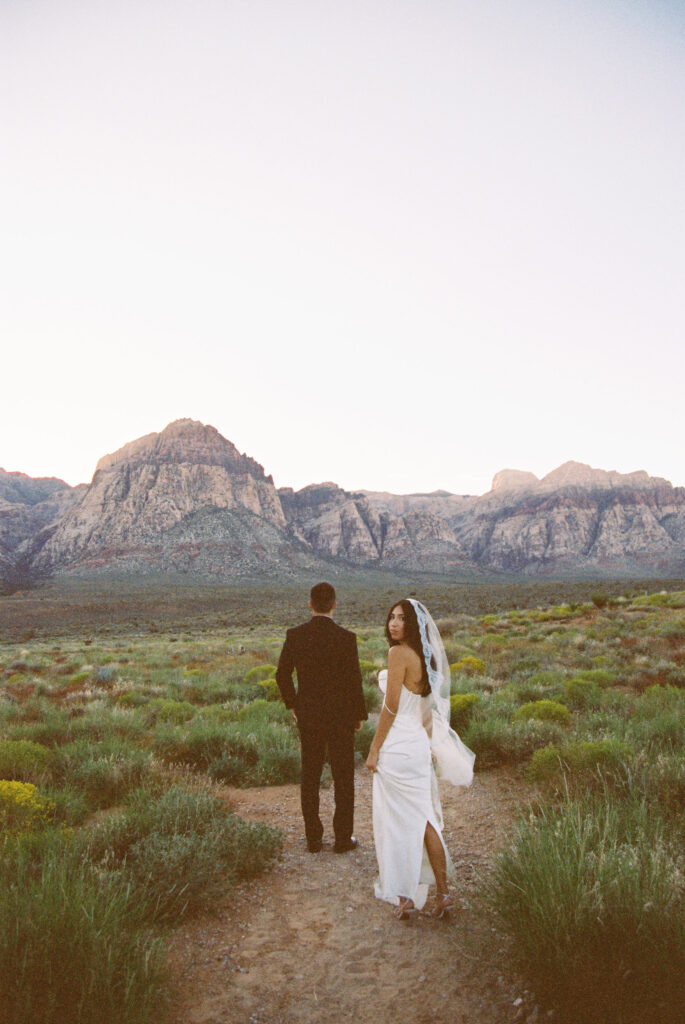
[[29, 506], [185, 500]]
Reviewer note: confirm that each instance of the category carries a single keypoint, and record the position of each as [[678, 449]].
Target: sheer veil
[[453, 759]]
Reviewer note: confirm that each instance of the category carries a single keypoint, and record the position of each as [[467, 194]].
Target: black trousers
[[319, 740]]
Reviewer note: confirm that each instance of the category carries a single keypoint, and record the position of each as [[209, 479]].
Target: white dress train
[[405, 800]]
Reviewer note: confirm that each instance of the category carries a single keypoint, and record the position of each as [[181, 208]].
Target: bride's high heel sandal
[[443, 904], [405, 910]]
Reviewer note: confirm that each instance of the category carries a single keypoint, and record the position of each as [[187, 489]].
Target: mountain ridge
[[186, 500]]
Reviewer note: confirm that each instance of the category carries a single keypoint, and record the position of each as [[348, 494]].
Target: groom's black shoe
[[315, 847], [351, 844]]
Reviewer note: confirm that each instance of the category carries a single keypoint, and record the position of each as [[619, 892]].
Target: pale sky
[[398, 245]]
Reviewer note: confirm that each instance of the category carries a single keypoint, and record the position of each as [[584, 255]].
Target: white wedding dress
[[405, 799]]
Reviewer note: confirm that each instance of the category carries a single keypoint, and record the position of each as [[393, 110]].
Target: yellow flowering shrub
[[22, 807], [468, 665]]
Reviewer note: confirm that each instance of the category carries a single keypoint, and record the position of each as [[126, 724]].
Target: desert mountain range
[[186, 501]]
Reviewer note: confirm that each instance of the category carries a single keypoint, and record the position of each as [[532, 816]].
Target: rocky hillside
[[28, 506], [186, 501]]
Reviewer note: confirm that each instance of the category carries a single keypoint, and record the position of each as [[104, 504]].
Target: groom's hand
[[294, 716], [357, 726]]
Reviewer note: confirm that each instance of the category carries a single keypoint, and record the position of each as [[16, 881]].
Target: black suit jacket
[[329, 682]]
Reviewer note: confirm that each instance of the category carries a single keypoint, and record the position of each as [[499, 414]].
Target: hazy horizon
[[398, 246]]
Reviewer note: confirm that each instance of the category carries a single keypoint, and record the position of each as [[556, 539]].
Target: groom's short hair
[[322, 596]]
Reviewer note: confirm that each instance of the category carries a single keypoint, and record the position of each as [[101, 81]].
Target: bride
[[412, 747]]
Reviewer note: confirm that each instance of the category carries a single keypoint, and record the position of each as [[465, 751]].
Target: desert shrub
[[659, 600], [543, 711], [259, 673], [162, 709], [213, 691], [105, 675], [71, 804], [218, 713], [524, 691], [181, 849], [279, 758], [24, 760], [582, 693], [579, 759], [79, 677], [71, 949], [493, 643], [462, 706], [22, 807], [52, 728], [591, 894], [201, 742], [104, 772], [665, 673], [656, 699], [468, 665], [270, 690], [600, 600], [497, 740], [598, 676], [662, 781], [132, 699], [229, 768], [666, 729], [367, 668], [264, 711]]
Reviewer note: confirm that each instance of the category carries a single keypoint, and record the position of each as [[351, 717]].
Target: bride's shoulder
[[399, 655]]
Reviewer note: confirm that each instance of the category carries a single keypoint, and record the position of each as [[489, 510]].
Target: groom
[[328, 707]]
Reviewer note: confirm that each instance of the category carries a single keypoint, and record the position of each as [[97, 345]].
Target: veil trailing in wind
[[453, 759]]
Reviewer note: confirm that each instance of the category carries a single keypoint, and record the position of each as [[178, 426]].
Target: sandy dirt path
[[307, 943]]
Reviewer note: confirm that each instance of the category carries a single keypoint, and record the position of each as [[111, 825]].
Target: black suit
[[329, 703]]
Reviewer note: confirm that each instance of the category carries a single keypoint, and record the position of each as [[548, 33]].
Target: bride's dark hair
[[412, 637]]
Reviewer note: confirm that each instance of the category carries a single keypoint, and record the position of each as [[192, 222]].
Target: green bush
[[164, 710], [24, 760], [543, 711], [262, 711], [583, 693], [580, 758], [71, 946], [270, 689], [598, 676], [132, 699], [71, 804], [104, 772], [496, 740], [181, 849], [592, 898], [218, 713], [259, 673], [52, 728], [662, 781], [197, 743], [462, 706], [661, 731]]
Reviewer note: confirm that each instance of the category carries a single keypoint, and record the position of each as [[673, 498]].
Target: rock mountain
[[186, 501]]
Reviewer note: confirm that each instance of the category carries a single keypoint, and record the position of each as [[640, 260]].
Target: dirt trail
[[308, 943]]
